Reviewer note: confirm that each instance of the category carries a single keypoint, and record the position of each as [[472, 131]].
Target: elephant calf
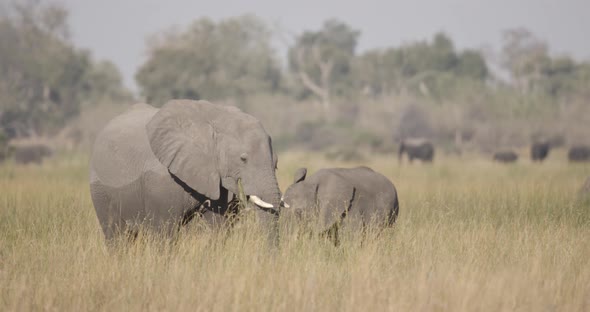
[[353, 197]]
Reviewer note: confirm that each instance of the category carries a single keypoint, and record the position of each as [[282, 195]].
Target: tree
[[45, 79], [370, 74], [534, 70], [432, 69], [105, 83], [523, 55], [471, 64], [41, 70], [322, 60], [231, 58]]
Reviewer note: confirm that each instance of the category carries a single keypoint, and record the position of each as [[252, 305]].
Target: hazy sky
[[116, 29]]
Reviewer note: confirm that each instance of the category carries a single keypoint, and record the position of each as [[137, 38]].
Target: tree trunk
[[322, 88]]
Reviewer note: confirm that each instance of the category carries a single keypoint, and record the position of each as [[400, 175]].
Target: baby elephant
[[354, 197]]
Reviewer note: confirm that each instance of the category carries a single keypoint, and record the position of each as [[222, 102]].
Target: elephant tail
[[393, 212]]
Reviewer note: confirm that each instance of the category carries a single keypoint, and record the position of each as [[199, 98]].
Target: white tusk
[[259, 202], [284, 204]]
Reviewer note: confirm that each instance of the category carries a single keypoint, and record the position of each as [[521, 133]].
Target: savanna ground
[[472, 235]]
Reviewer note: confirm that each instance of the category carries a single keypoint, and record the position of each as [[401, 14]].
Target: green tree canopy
[[428, 68], [45, 79], [534, 70], [209, 60], [322, 60]]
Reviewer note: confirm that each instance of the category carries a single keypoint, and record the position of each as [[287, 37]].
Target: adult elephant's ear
[[182, 139], [299, 175]]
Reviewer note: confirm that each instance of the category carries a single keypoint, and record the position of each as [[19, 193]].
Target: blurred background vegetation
[[323, 95]]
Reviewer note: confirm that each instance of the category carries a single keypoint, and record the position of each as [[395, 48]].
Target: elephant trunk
[[263, 192], [271, 195]]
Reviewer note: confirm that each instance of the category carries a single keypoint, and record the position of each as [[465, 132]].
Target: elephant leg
[[167, 205], [108, 211], [189, 215], [213, 219], [332, 234]]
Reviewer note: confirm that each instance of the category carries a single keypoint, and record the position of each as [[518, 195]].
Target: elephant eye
[[244, 157]]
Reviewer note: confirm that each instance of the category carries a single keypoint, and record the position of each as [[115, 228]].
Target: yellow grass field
[[472, 235]]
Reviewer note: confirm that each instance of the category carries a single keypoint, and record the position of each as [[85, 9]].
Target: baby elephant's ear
[[299, 175], [335, 198]]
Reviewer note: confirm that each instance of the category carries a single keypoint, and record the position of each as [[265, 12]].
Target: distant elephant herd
[[423, 150], [540, 150]]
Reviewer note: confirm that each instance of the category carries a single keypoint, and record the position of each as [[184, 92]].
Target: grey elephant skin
[[416, 148], [158, 168], [353, 197], [579, 153], [540, 151], [31, 153], [505, 156]]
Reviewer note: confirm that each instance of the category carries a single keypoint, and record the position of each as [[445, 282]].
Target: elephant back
[[368, 180], [121, 151], [374, 193]]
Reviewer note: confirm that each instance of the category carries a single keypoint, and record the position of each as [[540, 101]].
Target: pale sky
[[116, 29]]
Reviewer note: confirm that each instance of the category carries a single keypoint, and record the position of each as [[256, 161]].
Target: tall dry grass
[[472, 235]]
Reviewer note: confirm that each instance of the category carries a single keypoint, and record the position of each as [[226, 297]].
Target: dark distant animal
[[351, 197], [579, 153], [505, 156], [416, 148], [159, 168], [539, 151], [31, 153]]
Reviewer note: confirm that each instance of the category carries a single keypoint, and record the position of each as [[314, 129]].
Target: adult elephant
[[505, 156], [159, 168], [416, 148], [334, 197], [539, 151], [579, 153], [31, 153]]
